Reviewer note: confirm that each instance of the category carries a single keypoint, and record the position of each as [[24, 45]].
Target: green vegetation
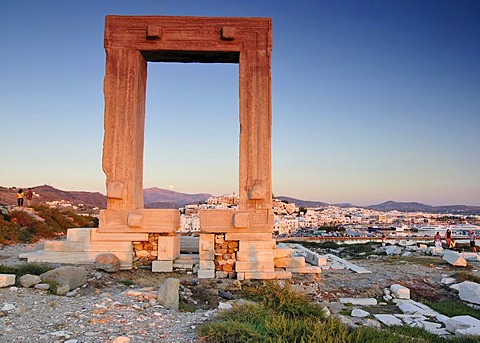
[[464, 276], [452, 308], [24, 227], [283, 316], [33, 268], [127, 282]]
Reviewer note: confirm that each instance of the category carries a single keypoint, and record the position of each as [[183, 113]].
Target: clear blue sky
[[372, 100]]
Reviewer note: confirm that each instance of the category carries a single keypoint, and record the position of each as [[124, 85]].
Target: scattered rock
[[29, 280], [400, 292], [388, 319], [72, 276], [108, 262], [356, 312], [454, 258], [168, 294], [469, 291]]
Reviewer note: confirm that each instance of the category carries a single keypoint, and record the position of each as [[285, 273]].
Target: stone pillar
[[255, 130], [124, 88]]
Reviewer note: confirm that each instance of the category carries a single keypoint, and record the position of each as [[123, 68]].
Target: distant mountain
[[401, 206], [304, 203], [163, 198]]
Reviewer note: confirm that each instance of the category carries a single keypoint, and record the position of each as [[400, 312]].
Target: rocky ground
[[103, 311]]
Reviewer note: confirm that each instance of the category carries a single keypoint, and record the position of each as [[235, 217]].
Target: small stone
[[42, 286], [356, 312], [91, 333], [7, 307], [63, 289], [29, 280], [225, 295]]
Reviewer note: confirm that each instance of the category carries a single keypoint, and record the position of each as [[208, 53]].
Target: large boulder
[[168, 294], [454, 258], [463, 325], [108, 262], [72, 276], [469, 291]]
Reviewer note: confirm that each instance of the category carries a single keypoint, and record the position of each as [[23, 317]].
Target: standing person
[[28, 196], [438, 240], [20, 197], [384, 240], [448, 238], [473, 238]]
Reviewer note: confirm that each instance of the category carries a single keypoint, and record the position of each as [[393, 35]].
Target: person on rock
[[448, 238], [438, 240], [473, 238], [28, 197], [20, 198]]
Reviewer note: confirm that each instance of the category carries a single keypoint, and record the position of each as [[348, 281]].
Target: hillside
[[46, 193], [163, 198], [153, 197], [304, 203]]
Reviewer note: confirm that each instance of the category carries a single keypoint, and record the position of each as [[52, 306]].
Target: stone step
[[264, 275], [77, 246], [75, 257]]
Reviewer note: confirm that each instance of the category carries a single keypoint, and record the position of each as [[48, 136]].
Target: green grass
[[452, 308], [127, 282], [33, 268], [465, 276], [284, 317]]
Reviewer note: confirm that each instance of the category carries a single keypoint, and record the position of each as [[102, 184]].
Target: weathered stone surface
[[470, 292], [7, 280], [393, 250], [457, 323], [290, 262], [206, 273], [168, 294], [168, 247], [448, 280], [29, 280], [356, 312], [359, 301], [72, 276], [108, 262], [388, 319], [400, 292], [162, 266], [454, 258]]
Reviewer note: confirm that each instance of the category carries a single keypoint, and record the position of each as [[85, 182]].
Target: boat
[[430, 228], [463, 229]]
